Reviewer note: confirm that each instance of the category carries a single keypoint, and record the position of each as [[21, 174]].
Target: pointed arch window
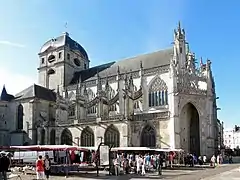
[[66, 137], [148, 137], [111, 95], [112, 136], [91, 96], [136, 103], [87, 137], [71, 110], [158, 93], [20, 117]]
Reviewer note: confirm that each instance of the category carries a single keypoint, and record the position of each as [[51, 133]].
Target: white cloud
[[8, 43], [14, 82]]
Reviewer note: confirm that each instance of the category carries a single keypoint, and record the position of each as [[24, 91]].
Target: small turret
[[118, 78], [5, 96], [99, 83], [180, 47]]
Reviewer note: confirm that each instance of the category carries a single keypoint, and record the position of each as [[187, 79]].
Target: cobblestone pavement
[[231, 175], [200, 174]]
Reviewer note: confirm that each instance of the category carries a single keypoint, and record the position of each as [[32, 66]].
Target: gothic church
[[161, 99]]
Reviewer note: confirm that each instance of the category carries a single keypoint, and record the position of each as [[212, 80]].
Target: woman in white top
[[143, 165]]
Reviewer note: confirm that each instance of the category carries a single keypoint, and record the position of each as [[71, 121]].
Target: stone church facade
[[161, 99]]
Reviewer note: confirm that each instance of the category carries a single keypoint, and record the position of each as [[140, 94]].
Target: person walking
[[159, 164], [4, 165], [47, 166], [40, 168]]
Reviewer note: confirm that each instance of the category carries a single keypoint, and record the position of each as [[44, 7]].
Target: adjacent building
[[232, 138], [161, 99]]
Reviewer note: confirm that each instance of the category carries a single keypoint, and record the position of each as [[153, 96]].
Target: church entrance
[[148, 137], [189, 129]]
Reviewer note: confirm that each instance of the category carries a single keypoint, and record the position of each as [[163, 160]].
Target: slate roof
[[38, 92], [5, 96], [87, 73], [64, 40], [151, 60]]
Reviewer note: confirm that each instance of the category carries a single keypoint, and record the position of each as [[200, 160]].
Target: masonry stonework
[[160, 100]]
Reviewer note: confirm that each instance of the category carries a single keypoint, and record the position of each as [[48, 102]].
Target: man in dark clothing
[[159, 164], [4, 165]]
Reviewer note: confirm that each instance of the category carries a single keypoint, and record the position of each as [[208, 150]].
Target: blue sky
[[114, 29]]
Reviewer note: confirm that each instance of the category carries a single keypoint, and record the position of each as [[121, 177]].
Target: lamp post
[[98, 154]]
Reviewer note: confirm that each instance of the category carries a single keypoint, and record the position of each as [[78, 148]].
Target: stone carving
[[151, 116], [114, 99], [188, 83], [158, 85], [133, 96]]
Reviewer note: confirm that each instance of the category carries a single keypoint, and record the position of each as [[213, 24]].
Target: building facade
[[161, 99], [232, 138]]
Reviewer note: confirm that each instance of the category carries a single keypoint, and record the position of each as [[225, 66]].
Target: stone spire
[[66, 92], [79, 87], [141, 74], [99, 83], [125, 81], [118, 78], [180, 47], [107, 87]]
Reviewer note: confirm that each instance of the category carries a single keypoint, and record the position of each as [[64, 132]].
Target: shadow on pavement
[[126, 177]]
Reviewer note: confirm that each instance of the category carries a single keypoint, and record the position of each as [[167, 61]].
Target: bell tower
[[59, 59]]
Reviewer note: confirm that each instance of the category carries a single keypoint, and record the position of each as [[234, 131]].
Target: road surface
[[223, 172]]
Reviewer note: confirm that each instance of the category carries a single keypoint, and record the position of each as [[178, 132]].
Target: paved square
[[222, 172]]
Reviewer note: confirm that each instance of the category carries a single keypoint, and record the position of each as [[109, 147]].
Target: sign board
[[104, 155]]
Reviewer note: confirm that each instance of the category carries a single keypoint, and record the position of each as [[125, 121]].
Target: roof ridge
[[144, 54]]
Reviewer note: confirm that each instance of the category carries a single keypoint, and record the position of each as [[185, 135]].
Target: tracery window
[[71, 110], [87, 137], [91, 96], [111, 95], [136, 103], [112, 136], [148, 137], [66, 137], [92, 110], [20, 117], [158, 93]]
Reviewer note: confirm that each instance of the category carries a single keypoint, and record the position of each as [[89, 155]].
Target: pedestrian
[[47, 166], [117, 166], [143, 165], [40, 168], [159, 164], [4, 163]]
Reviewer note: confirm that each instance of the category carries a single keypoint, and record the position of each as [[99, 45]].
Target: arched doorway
[[112, 136], [66, 137], [148, 137], [189, 129], [52, 137], [87, 137]]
